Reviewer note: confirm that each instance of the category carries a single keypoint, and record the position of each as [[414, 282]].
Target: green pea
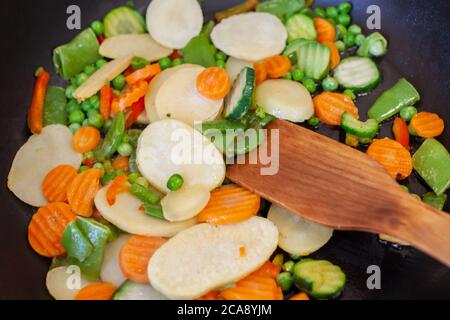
[[85, 123], [88, 155], [165, 63], [175, 182], [320, 12], [405, 188], [100, 63], [340, 31], [349, 93], [340, 45], [355, 29], [310, 85], [298, 75], [330, 84], [98, 28], [70, 91], [72, 105], [288, 266], [95, 102], [142, 182], [77, 116], [294, 257], [416, 196], [96, 120], [408, 113], [81, 78], [349, 40], [345, 7], [108, 166], [285, 280], [221, 56], [332, 21], [177, 62], [278, 259], [412, 131], [288, 76], [359, 39], [119, 82], [344, 19], [314, 121], [133, 177], [107, 125], [221, 64], [98, 165], [332, 12], [84, 168], [139, 63], [125, 149], [86, 106], [74, 127], [90, 70]]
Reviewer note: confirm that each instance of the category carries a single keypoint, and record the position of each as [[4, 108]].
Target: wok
[[419, 50]]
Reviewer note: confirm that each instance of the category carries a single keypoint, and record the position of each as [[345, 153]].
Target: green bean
[[112, 139], [144, 194]]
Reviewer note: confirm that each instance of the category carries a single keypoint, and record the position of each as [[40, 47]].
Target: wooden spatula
[[337, 186]]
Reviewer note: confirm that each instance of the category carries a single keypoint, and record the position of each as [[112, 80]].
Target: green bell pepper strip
[[54, 107], [432, 163], [98, 234], [154, 210], [390, 103], [76, 244], [112, 139], [374, 45], [144, 194], [71, 59], [353, 126], [438, 202]]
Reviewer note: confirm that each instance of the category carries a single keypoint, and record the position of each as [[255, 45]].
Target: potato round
[[169, 147], [235, 66], [250, 36], [178, 98], [173, 23], [285, 99], [36, 158], [111, 271], [297, 235], [58, 281], [207, 257], [127, 215], [185, 203], [137, 45]]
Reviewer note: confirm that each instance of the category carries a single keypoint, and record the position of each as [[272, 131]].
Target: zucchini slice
[[301, 26], [292, 48], [319, 278], [314, 60], [359, 74], [351, 125], [239, 101], [136, 291], [123, 20]]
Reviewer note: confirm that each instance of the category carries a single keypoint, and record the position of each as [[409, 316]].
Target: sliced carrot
[[269, 269], [330, 106], [392, 156], [135, 255], [427, 125], [145, 73], [401, 132], [260, 72], [119, 185], [129, 97], [277, 66], [85, 139], [326, 32], [213, 295], [121, 163], [47, 227], [82, 191], [214, 83], [96, 291], [335, 56], [106, 95], [300, 296], [55, 184], [36, 110], [230, 204]]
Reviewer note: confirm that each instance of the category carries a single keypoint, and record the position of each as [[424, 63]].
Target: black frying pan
[[419, 50]]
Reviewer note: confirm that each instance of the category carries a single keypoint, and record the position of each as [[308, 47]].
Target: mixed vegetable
[[113, 202]]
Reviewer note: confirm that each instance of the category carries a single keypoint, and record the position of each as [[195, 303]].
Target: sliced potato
[[36, 158], [111, 271], [250, 36], [185, 203], [185, 103], [136, 45], [235, 66], [62, 283], [126, 215], [169, 147], [285, 99], [207, 257], [154, 87], [105, 74], [297, 235], [173, 23]]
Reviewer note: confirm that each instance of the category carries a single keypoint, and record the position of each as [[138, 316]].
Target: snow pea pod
[[438, 202], [113, 138], [54, 106]]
